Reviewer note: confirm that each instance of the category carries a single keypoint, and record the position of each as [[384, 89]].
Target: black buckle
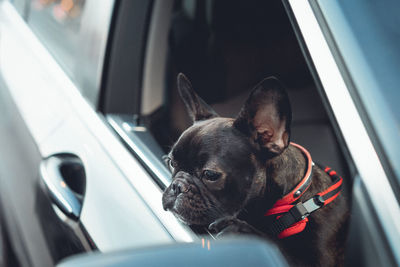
[[314, 203], [303, 210], [299, 212]]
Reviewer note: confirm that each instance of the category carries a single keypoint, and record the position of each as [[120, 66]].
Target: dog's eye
[[172, 164], [211, 175]]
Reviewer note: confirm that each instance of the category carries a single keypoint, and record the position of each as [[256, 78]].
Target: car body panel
[[110, 202], [19, 167], [53, 109]]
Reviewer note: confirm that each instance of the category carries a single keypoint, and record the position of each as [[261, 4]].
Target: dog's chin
[[193, 220], [190, 209], [193, 215], [190, 217]]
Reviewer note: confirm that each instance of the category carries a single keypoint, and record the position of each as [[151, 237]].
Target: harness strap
[[333, 191], [303, 185], [292, 218]]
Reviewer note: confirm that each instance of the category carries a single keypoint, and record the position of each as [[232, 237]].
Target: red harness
[[292, 218]]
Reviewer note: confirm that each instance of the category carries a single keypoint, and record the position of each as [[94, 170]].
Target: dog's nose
[[179, 186], [172, 192], [176, 187]]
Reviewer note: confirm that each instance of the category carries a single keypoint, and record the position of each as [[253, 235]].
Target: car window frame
[[326, 65], [121, 83], [357, 99], [126, 100]]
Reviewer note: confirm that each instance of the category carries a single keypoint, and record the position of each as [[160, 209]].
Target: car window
[[57, 24], [21, 6], [373, 61], [75, 32], [210, 45]]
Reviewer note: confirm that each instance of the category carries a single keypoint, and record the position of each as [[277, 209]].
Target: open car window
[[224, 52]]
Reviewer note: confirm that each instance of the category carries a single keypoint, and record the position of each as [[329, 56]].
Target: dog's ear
[[266, 117], [198, 109]]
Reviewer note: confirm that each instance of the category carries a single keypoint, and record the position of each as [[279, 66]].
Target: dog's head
[[218, 164]]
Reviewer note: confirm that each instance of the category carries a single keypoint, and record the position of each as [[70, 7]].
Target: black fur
[[253, 165]]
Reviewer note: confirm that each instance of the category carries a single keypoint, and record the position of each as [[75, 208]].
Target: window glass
[[57, 23], [75, 32], [369, 41], [21, 6]]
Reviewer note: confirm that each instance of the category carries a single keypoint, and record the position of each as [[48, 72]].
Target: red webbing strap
[[292, 229], [333, 191], [283, 209], [292, 196]]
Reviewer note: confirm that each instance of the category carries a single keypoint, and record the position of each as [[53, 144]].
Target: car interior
[[225, 48]]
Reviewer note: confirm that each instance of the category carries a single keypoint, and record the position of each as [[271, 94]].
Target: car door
[[68, 185]]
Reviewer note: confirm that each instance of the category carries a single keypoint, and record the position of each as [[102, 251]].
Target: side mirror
[[228, 252]]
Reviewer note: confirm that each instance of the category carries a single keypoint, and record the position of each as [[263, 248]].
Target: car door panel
[[22, 54], [113, 214], [19, 166], [54, 118]]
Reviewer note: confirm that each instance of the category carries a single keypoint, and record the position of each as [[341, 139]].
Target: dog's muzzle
[[177, 187]]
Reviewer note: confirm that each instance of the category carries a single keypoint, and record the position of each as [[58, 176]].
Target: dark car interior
[[225, 48]]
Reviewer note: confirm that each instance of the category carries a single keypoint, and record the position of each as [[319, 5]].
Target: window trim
[[126, 99], [357, 99], [120, 105], [354, 131], [129, 133], [123, 65], [156, 57]]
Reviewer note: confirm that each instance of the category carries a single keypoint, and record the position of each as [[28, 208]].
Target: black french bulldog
[[228, 172]]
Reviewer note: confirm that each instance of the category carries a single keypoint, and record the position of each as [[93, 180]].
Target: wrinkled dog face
[[210, 177], [217, 163]]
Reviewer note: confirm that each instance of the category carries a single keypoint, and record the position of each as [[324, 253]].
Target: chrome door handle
[[64, 179]]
